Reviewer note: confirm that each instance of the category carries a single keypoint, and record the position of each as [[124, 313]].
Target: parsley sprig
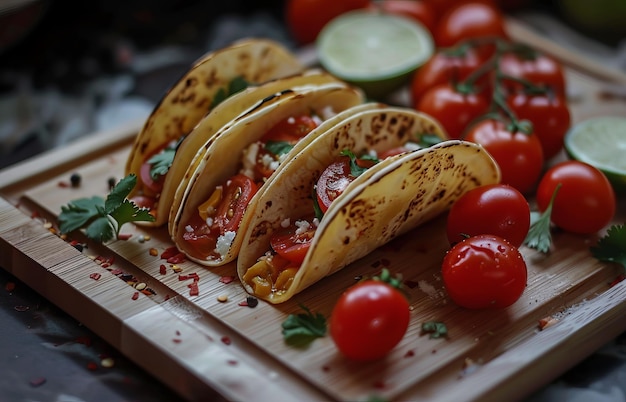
[[102, 218]]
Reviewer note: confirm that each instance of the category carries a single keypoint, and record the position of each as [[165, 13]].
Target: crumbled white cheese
[[209, 221], [188, 229], [412, 146], [249, 159], [285, 223], [302, 226], [224, 242]]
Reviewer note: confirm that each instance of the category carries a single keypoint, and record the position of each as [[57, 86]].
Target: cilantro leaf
[[79, 212], [302, 329], [278, 147], [436, 329], [539, 235], [161, 162], [234, 86], [355, 169], [612, 246], [102, 218], [427, 139]]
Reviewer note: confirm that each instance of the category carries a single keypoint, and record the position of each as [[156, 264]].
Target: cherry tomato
[[518, 155], [484, 272], [291, 129], [550, 116], [418, 10], [332, 182], [441, 68], [369, 320], [496, 209], [442, 6], [151, 186], [293, 242], [535, 67], [469, 20], [201, 238], [585, 202], [393, 152], [237, 195], [452, 108], [143, 201], [306, 18]]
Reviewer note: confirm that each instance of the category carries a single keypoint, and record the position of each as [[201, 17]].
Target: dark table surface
[[46, 355]]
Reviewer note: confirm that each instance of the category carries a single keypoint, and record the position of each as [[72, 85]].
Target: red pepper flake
[[617, 280], [409, 353], [36, 382], [84, 340], [33, 215], [176, 259], [95, 276], [63, 184], [148, 292], [162, 269], [183, 277], [177, 340], [10, 286], [92, 366], [21, 309], [177, 333], [194, 276], [105, 265], [169, 252], [227, 279], [226, 340], [99, 259], [325, 368], [135, 296], [167, 297], [193, 289], [243, 303], [232, 362], [124, 236], [117, 271]]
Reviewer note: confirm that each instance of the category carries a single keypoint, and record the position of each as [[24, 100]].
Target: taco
[[172, 162], [210, 204], [210, 81], [351, 190]]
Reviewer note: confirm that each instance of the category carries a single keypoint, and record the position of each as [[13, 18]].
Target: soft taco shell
[[394, 196], [222, 154], [254, 98], [191, 98]]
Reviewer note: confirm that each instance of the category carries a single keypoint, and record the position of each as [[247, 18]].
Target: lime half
[[601, 142], [377, 52]]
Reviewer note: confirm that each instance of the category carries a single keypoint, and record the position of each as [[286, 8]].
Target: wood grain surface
[[200, 346]]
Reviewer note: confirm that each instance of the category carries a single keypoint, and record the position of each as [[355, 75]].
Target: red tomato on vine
[[418, 10], [469, 20], [453, 107], [537, 68], [519, 155]]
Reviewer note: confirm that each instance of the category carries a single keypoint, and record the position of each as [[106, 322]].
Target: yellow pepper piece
[[285, 279], [207, 208]]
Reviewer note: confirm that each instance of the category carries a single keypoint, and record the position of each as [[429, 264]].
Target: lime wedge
[[601, 142], [377, 52]]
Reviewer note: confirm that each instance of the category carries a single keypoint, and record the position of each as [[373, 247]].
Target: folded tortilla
[[394, 196], [200, 90], [222, 156]]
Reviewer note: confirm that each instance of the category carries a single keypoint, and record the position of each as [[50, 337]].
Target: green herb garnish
[[539, 235], [102, 218], [427, 140], [161, 162], [302, 329], [355, 169], [278, 148], [612, 246], [436, 329], [236, 85]]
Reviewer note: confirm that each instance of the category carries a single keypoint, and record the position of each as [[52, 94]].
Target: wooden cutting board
[[204, 349]]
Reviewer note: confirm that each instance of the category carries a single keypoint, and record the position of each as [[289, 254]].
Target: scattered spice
[[547, 322], [169, 252], [124, 236], [436, 329], [135, 296], [222, 298], [154, 252], [227, 279], [75, 179], [193, 289], [226, 340], [140, 286], [91, 366], [37, 381], [95, 276], [177, 340], [162, 269]]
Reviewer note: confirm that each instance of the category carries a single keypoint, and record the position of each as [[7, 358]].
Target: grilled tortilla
[[395, 195], [223, 155], [210, 80]]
